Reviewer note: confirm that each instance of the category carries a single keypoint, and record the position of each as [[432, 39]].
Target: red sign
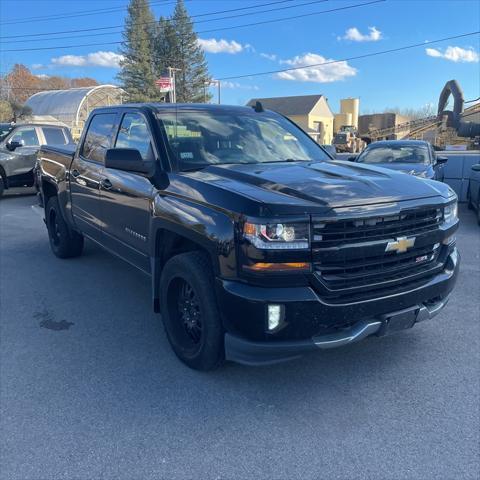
[[164, 84]]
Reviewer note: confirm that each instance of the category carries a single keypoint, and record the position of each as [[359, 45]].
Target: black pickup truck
[[259, 247]]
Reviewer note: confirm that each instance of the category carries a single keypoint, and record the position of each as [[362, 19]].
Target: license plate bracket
[[398, 321]]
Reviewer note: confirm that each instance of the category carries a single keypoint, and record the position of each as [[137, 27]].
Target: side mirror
[[127, 159], [476, 168], [15, 144], [352, 158], [441, 160]]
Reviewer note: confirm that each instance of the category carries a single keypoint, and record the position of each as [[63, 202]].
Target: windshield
[[198, 139], [5, 129], [395, 154]]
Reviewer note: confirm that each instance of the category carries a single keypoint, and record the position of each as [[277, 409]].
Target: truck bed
[[62, 150]]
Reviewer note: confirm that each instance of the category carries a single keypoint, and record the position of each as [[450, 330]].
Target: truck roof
[[179, 107]]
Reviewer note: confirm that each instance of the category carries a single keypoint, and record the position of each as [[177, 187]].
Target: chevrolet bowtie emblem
[[400, 245]]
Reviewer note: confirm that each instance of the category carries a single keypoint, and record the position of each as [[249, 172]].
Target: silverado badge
[[400, 245]]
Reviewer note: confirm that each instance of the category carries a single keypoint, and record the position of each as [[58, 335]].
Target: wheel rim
[[186, 315], [54, 228]]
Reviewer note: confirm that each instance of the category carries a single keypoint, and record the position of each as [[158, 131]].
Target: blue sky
[[411, 78]]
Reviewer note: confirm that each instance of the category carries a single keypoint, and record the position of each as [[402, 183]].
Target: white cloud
[[95, 59], [37, 66], [269, 56], [236, 85], [355, 35], [332, 72], [455, 54], [42, 76], [212, 45]]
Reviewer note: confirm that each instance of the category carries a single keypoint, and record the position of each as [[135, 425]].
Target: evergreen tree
[[137, 73], [189, 57]]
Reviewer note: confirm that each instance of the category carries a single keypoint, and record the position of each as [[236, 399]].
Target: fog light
[[275, 314]]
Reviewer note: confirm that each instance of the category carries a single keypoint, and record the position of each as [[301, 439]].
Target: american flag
[[164, 84]]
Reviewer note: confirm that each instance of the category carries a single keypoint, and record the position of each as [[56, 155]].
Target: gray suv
[[18, 151]]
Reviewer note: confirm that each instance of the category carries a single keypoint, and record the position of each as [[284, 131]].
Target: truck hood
[[328, 184]]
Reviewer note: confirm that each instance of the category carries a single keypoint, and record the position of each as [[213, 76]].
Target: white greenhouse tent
[[73, 106]]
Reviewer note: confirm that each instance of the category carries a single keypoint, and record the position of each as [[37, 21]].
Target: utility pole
[[172, 74], [213, 82]]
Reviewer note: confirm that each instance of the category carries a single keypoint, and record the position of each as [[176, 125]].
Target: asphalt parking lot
[[90, 389]]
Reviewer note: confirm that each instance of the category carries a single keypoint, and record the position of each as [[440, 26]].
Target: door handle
[[106, 184], [75, 173]]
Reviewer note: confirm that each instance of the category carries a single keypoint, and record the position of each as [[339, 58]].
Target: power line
[[205, 31], [81, 13], [197, 22], [149, 23], [357, 57]]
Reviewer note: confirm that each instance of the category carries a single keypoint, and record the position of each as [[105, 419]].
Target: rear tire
[[64, 242], [190, 312]]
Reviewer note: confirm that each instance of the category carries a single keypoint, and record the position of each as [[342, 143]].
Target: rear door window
[[99, 137], [54, 136]]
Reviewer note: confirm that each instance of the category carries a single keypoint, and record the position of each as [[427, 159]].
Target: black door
[[87, 171], [127, 197]]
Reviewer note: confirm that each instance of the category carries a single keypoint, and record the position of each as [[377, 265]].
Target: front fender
[[209, 228]]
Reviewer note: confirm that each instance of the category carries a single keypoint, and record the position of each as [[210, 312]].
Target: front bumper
[[264, 353], [320, 324]]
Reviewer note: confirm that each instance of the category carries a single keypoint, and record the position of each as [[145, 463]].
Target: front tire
[[2, 186], [64, 242], [190, 312]]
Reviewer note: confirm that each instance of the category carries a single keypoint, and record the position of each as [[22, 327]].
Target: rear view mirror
[[126, 159], [441, 160], [476, 168], [15, 144]]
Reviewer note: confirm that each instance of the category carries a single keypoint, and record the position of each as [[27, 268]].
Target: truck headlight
[[450, 212], [278, 236]]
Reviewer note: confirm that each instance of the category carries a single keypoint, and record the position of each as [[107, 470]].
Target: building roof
[[298, 105]]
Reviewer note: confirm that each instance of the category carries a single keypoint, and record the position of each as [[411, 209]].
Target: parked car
[[19, 147], [474, 190], [415, 157], [259, 248]]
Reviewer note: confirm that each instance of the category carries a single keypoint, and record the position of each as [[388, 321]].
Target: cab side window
[[134, 133], [99, 137], [26, 135]]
